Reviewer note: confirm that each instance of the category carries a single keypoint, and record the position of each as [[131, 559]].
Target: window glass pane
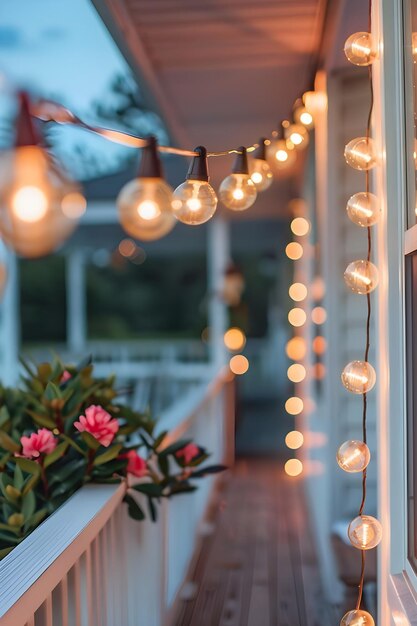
[[410, 34]]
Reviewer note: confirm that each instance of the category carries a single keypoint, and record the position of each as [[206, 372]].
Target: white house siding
[[333, 494]]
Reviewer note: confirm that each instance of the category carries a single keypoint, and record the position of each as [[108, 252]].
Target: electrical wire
[[368, 322]]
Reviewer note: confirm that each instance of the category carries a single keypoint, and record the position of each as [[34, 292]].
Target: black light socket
[[240, 165], [260, 152], [198, 169], [26, 132], [150, 164]]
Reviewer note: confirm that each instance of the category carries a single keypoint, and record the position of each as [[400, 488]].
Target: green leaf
[[174, 447], [28, 466], [35, 520], [42, 420], [159, 439], [52, 392], [182, 488], [163, 463], [152, 510], [10, 537], [91, 441], [4, 416], [210, 469], [108, 455], [150, 489], [72, 443], [44, 372], [56, 454], [133, 508], [18, 479], [31, 483], [73, 468], [28, 505], [8, 443], [5, 551]]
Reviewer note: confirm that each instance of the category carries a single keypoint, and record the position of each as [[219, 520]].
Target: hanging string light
[[281, 156], [238, 191], [260, 171], [302, 115], [359, 377], [145, 204], [33, 192], [296, 135], [195, 200]]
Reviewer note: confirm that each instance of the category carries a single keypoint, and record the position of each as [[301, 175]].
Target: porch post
[[9, 320], [76, 301], [218, 258]]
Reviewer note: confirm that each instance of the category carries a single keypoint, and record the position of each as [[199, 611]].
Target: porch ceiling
[[221, 72]]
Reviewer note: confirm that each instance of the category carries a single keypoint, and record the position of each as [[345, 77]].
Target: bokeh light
[[294, 440], [319, 315], [293, 467], [234, 339], [294, 251], [296, 348], [239, 364], [294, 405], [298, 292], [296, 373]]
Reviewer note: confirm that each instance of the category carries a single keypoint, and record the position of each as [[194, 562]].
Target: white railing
[[89, 564]]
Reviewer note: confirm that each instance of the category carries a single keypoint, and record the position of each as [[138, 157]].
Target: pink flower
[[42, 442], [98, 423], [136, 465], [188, 453], [66, 375]]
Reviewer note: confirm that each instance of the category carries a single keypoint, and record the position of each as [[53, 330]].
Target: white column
[[76, 301], [218, 258], [9, 320]]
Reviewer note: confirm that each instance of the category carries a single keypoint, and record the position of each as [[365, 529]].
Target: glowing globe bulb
[[298, 292], [296, 373], [360, 49], [234, 339], [365, 532], [294, 251], [300, 226], [32, 194], [261, 174], [294, 405], [239, 364], [360, 153], [353, 456], [296, 348], [303, 116], [194, 202], [29, 204], [357, 618], [280, 156], [293, 467], [145, 208], [358, 377], [296, 136], [294, 440], [363, 209], [297, 317], [238, 192], [361, 277]]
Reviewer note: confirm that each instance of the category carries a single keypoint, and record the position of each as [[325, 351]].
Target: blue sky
[[60, 49]]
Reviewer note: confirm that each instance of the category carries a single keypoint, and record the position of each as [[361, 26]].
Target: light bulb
[[298, 292], [280, 155], [296, 348], [303, 116], [296, 372], [297, 317], [365, 532], [357, 618], [293, 467], [234, 339], [194, 202], [294, 251], [300, 226], [360, 49], [315, 101], [361, 276], [145, 208], [294, 405], [318, 315], [319, 345], [296, 136], [360, 153], [239, 364], [358, 377], [363, 209], [238, 192], [294, 440], [353, 456], [261, 174], [32, 199]]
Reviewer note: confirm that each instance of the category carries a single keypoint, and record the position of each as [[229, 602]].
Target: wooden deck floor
[[258, 567]]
